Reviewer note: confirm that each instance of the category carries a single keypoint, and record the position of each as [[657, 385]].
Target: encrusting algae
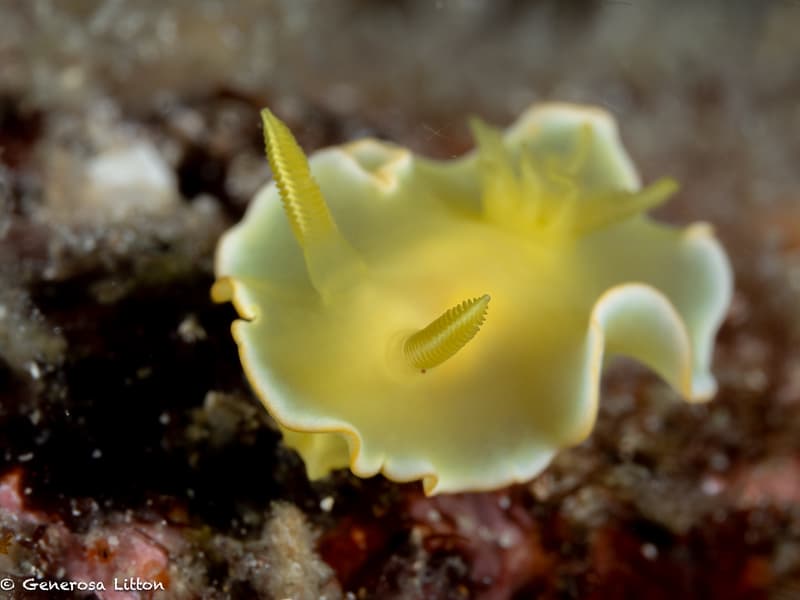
[[447, 321]]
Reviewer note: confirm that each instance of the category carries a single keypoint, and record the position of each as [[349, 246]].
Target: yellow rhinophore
[[364, 277], [449, 333]]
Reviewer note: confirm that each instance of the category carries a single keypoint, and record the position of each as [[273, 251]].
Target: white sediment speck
[[34, 370], [649, 551]]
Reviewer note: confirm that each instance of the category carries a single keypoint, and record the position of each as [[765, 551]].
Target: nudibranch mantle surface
[[447, 321]]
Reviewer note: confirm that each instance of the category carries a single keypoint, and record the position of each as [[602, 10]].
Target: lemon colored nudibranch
[[447, 321]]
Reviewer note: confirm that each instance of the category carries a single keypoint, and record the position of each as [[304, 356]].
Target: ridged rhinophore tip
[[447, 335], [301, 197], [331, 262]]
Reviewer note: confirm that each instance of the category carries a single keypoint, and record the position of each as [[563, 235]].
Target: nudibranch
[[448, 321]]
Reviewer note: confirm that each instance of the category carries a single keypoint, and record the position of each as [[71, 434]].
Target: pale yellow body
[[447, 321]]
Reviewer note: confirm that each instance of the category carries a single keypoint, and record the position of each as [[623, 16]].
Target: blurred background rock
[[130, 139]]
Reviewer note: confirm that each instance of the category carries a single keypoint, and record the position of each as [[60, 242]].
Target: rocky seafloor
[[132, 445]]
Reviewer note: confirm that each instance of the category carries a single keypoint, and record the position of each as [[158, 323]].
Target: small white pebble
[[97, 453], [127, 174], [506, 540], [164, 418], [25, 457], [326, 504], [190, 330], [434, 516], [113, 541], [34, 370], [711, 486], [649, 551]]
